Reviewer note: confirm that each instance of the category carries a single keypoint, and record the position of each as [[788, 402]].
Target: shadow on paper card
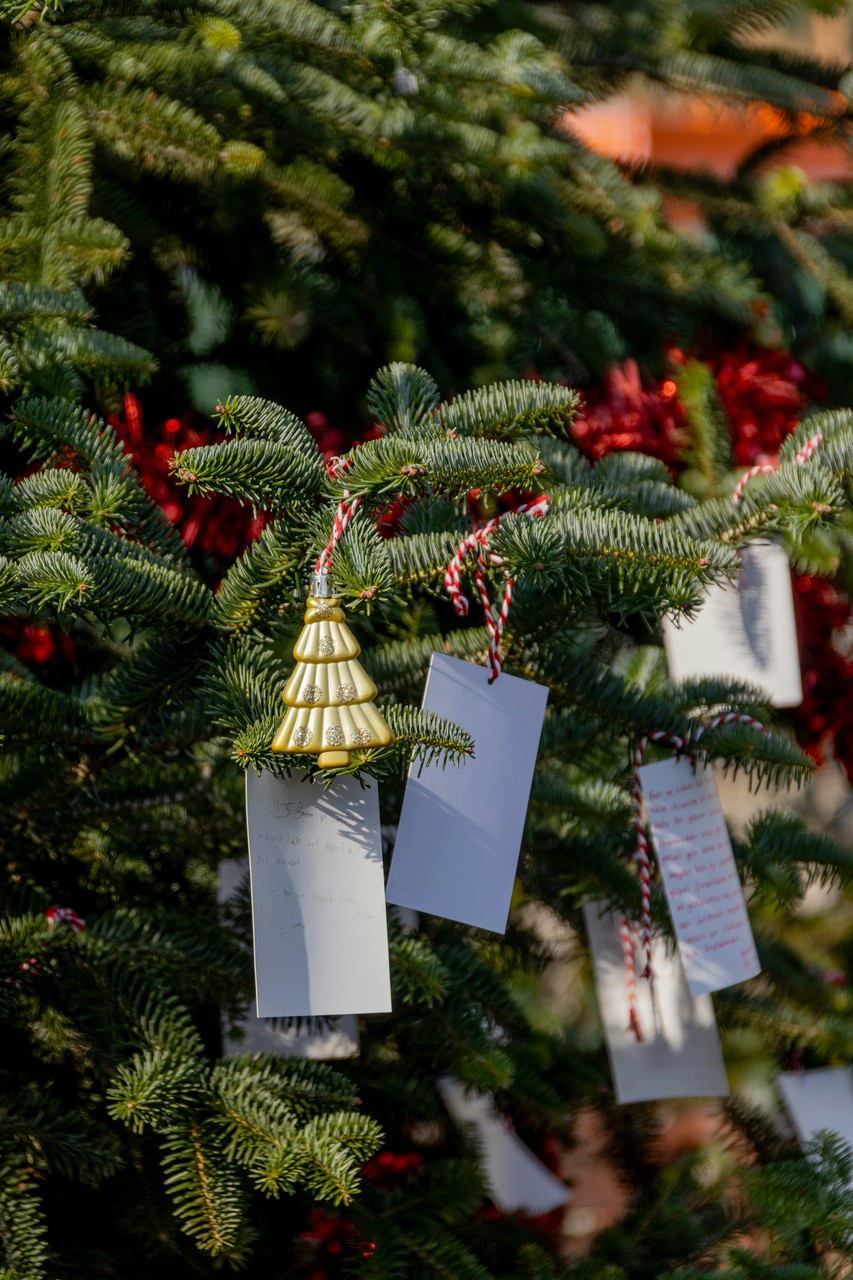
[[321, 1039], [680, 1054], [460, 828], [318, 902], [745, 630]]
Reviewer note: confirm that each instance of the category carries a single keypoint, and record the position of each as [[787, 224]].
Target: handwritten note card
[[821, 1099], [745, 630], [460, 828], [518, 1181], [699, 873], [680, 1055], [318, 907]]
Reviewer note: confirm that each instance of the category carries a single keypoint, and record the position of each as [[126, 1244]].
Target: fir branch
[[262, 583], [267, 474], [509, 411], [257, 419], [401, 396], [204, 1188], [23, 1233], [424, 737]]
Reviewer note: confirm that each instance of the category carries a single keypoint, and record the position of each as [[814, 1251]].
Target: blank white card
[[460, 828], [820, 1099], [518, 1181], [745, 630], [680, 1054], [289, 1038], [318, 907]]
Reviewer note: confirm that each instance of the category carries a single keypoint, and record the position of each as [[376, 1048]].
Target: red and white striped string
[[477, 543], [344, 514], [64, 915], [799, 458], [628, 930]]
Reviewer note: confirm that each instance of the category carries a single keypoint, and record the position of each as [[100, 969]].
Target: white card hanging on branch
[[700, 879], [315, 854], [819, 1099], [746, 630], [677, 1053], [318, 901], [517, 1179], [460, 830], [316, 1038]]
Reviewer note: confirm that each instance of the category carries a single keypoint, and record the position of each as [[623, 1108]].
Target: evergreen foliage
[[121, 795], [306, 190], [400, 183]]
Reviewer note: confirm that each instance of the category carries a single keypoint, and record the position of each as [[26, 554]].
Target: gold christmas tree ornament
[[329, 696]]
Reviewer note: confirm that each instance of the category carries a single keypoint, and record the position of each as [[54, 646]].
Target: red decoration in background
[[37, 643], [220, 527], [634, 413], [824, 626], [763, 393]]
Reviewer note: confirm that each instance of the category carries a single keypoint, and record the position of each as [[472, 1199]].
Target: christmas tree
[[296, 133]]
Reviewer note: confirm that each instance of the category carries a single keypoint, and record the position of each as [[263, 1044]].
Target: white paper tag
[[310, 1038], [744, 630], [460, 829], [699, 874], [316, 1038], [680, 1054], [318, 907], [821, 1099], [518, 1181]]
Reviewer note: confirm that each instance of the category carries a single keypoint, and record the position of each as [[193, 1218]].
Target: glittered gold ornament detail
[[329, 696]]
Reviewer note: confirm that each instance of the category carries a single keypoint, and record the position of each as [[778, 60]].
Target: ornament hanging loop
[[321, 585], [477, 542], [760, 468]]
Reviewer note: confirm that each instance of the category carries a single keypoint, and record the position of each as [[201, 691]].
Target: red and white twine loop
[[344, 514], [477, 544], [64, 915], [799, 458], [628, 930]]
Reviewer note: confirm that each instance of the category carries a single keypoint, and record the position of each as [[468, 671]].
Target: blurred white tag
[[744, 631], [680, 1055], [517, 1179], [821, 1099], [311, 1037], [460, 828], [317, 1038], [699, 873], [318, 906]]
